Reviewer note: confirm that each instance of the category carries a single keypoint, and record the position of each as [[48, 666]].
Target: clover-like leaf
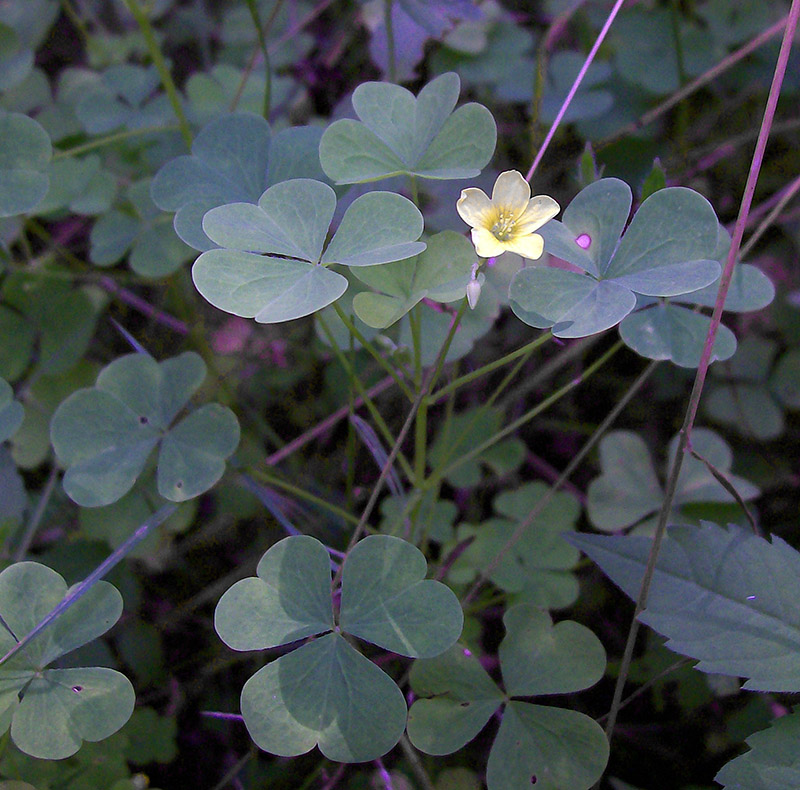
[[387, 600], [548, 747], [667, 250], [538, 567], [724, 596], [103, 435], [561, 748], [326, 693], [24, 159], [772, 763], [628, 490], [11, 411], [440, 273], [400, 134], [668, 331], [291, 219], [289, 599], [234, 159], [52, 711]]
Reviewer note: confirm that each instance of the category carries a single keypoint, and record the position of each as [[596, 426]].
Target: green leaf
[[723, 596], [666, 251], [11, 411], [457, 699], [441, 273], [400, 134], [234, 159], [58, 708], [540, 658], [103, 435], [267, 289], [289, 599], [24, 159], [81, 186], [629, 489], [668, 331], [16, 60], [785, 378], [539, 565], [668, 246], [657, 179], [546, 746], [572, 304], [14, 357], [376, 228], [327, 694], [772, 763], [387, 600]]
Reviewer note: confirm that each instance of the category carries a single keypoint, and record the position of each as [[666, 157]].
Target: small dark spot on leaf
[[179, 484], [143, 420], [464, 704], [77, 689], [534, 780]]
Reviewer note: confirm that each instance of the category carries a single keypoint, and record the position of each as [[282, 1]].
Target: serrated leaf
[[723, 596], [399, 133], [327, 694], [773, 762], [387, 600]]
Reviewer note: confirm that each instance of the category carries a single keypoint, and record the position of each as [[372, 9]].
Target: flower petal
[[530, 247], [541, 209], [486, 245], [475, 208], [511, 192]]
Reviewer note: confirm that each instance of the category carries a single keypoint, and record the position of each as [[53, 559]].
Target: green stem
[[370, 348], [161, 65], [390, 51], [416, 338], [497, 363], [562, 479], [301, 493], [528, 416], [110, 139], [375, 414], [36, 516], [262, 43]]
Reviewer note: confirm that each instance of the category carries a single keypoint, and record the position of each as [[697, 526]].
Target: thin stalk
[[110, 139], [374, 353], [416, 339], [161, 66], [575, 85], [576, 461], [324, 426], [788, 194], [262, 42], [74, 594], [529, 415], [467, 378], [300, 493], [416, 764], [390, 50], [697, 83], [705, 359], [36, 516], [374, 413]]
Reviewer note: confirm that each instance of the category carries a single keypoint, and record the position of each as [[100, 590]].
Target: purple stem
[[575, 85], [143, 306]]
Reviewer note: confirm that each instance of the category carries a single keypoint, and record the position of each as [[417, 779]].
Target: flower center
[[503, 228]]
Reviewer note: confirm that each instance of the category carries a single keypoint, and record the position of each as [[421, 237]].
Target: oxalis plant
[[305, 433]]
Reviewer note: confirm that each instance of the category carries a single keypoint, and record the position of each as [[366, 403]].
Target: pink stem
[[575, 85]]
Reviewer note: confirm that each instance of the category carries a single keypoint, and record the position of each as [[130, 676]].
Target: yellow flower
[[509, 219]]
